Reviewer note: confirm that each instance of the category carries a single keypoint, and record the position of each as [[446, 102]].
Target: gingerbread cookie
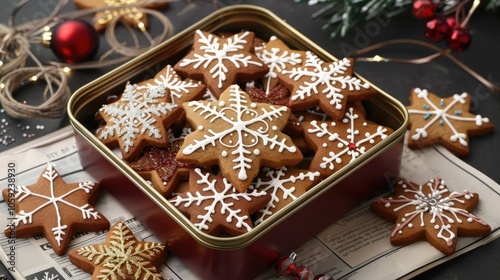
[[121, 256], [214, 206], [54, 208], [238, 135], [221, 62], [120, 9], [158, 164], [329, 85], [137, 119], [278, 57], [284, 185], [430, 212], [179, 90], [337, 143], [445, 121]]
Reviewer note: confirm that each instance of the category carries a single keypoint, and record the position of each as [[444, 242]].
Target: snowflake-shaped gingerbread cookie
[[54, 208], [221, 62], [329, 85], [239, 135], [337, 143], [430, 212], [284, 185], [215, 206], [445, 121], [137, 119], [278, 57], [180, 90], [121, 256]]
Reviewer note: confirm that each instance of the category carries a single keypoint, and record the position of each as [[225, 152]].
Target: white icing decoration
[[50, 174], [171, 81], [444, 210], [276, 184], [321, 129], [124, 251], [229, 52], [224, 199], [239, 145], [138, 117], [445, 115], [332, 77], [277, 61]]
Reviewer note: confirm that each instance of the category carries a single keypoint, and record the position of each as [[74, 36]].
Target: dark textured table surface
[[440, 76]]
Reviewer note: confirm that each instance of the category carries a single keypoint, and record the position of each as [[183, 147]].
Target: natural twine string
[[15, 49]]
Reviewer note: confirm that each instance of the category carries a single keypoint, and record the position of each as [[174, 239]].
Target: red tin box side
[[254, 259]]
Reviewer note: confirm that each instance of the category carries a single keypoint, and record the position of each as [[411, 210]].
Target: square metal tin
[[248, 255]]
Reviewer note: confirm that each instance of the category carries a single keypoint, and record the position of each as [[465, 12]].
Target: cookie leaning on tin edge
[[54, 208], [430, 212], [121, 256], [239, 135], [221, 62], [445, 121]]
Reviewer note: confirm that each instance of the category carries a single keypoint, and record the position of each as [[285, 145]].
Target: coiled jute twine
[[15, 50]]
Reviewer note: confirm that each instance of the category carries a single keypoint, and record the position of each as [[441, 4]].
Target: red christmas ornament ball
[[74, 41], [424, 9], [459, 39], [437, 29]]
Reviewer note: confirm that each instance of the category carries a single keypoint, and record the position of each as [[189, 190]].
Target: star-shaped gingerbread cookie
[[329, 85], [123, 9], [220, 62], [239, 135], [137, 119], [215, 206], [121, 256], [278, 57], [430, 212], [445, 121], [337, 143], [54, 208]]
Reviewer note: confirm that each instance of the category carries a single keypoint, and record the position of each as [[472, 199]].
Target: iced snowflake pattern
[[283, 184], [224, 198], [352, 145], [52, 200], [329, 79], [180, 90], [432, 202], [136, 114], [213, 51], [277, 60], [442, 113], [240, 120], [123, 256]]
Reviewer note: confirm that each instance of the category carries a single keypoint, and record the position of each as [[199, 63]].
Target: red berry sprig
[[450, 29], [286, 266]]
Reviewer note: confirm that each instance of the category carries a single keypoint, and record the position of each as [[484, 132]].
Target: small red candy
[[302, 273], [325, 276], [424, 9], [285, 266]]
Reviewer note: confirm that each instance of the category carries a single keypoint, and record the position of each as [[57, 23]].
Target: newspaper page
[[355, 247]]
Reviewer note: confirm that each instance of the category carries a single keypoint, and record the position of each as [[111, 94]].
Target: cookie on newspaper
[[55, 209], [220, 62], [238, 135], [430, 212], [214, 206], [329, 85], [121, 256], [337, 143], [137, 119], [445, 121]]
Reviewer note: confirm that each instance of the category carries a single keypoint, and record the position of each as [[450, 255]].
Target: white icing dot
[[410, 225], [222, 103], [224, 154], [200, 127], [256, 152], [387, 204], [274, 127], [470, 220], [436, 226], [253, 105], [325, 145]]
